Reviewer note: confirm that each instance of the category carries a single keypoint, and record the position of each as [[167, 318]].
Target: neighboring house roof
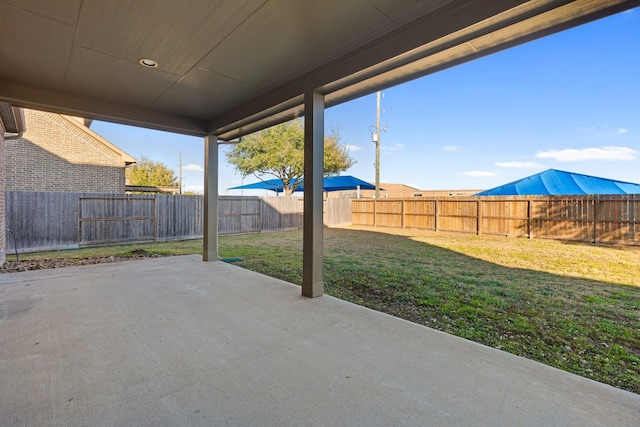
[[56, 152], [556, 182], [330, 183], [80, 124], [449, 193], [151, 189], [394, 190]]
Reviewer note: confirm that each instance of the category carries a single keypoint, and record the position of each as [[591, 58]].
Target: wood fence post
[[596, 203], [402, 214], [261, 209], [155, 218], [478, 217], [529, 234], [375, 212], [79, 220], [435, 217]]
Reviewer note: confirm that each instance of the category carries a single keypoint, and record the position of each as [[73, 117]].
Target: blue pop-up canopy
[[556, 182], [330, 183]]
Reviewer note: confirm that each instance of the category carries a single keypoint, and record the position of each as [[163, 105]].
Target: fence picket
[[47, 221], [43, 221], [591, 218]]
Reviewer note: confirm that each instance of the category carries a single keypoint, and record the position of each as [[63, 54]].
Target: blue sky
[[570, 101]]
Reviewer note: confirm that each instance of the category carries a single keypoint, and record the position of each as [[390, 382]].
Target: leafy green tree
[[151, 174], [279, 151]]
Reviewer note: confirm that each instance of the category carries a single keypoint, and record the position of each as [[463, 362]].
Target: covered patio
[[175, 341], [224, 69], [184, 342]]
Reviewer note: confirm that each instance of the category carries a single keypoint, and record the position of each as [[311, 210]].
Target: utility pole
[[180, 191], [376, 140]]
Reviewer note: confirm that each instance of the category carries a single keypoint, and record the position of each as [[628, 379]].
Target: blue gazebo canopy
[[331, 183], [556, 182]]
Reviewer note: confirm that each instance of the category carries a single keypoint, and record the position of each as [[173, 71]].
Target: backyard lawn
[[570, 305]]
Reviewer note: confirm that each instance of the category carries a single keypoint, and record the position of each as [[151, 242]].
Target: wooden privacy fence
[[256, 214], [50, 220], [598, 219], [246, 214], [45, 221], [105, 220]]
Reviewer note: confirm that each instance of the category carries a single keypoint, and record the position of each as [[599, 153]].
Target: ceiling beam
[[544, 24], [46, 100], [340, 84], [440, 23]]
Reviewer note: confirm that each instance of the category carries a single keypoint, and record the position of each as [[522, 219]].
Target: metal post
[[312, 241], [377, 141], [210, 241]]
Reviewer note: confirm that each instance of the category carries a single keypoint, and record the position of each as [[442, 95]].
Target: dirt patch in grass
[[48, 263]]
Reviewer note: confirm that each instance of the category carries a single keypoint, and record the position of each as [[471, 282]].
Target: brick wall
[[3, 238], [57, 155]]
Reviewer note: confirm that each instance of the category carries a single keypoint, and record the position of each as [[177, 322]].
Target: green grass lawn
[[569, 305]]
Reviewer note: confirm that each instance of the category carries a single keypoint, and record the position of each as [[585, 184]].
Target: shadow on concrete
[[176, 341], [587, 327]]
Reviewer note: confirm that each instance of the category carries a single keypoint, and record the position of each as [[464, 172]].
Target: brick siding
[[3, 237], [56, 155]]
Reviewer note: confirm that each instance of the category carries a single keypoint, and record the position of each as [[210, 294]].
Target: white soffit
[[230, 67]]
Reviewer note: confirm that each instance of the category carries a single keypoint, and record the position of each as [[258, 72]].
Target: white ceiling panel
[[233, 66], [115, 79], [404, 11], [33, 48], [289, 38], [177, 34], [201, 90], [59, 10]]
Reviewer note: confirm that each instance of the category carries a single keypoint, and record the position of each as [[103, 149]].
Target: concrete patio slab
[[176, 341]]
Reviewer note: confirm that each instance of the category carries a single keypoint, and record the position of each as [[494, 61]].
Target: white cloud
[[451, 148], [479, 174], [604, 131], [577, 155], [193, 167], [518, 165], [354, 147], [392, 148]]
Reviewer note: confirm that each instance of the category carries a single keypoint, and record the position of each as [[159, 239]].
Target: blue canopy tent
[[331, 183], [556, 182]]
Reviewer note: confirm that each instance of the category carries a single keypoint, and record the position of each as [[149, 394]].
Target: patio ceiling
[[230, 67]]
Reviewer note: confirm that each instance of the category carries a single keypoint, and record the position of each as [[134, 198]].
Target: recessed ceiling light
[[149, 63]]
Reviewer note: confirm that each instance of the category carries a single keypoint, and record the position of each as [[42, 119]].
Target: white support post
[[210, 246], [312, 247]]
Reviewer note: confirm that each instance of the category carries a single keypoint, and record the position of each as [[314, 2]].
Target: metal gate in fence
[[110, 220]]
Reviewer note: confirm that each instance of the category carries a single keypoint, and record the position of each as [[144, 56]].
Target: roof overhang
[[126, 158], [230, 68], [11, 118]]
